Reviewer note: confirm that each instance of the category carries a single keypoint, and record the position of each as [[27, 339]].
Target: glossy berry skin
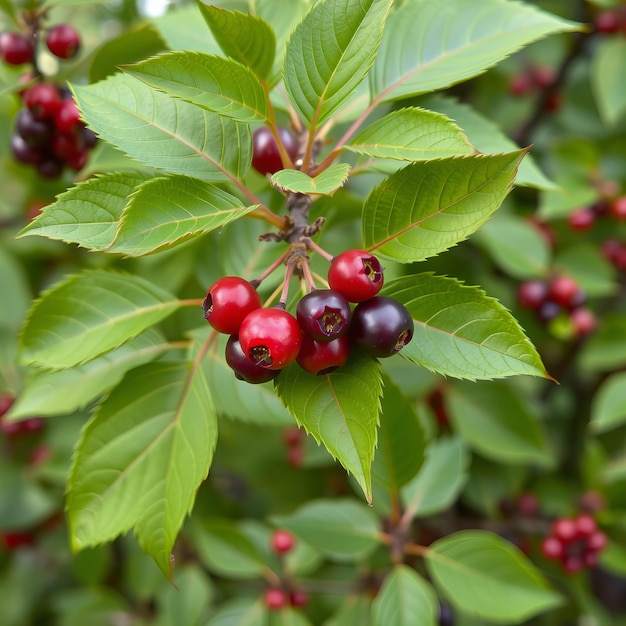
[[564, 291], [282, 541], [63, 41], [381, 326], [323, 314], [531, 294], [356, 275], [242, 366], [270, 338], [276, 599], [43, 99], [323, 357], [16, 49], [265, 154], [228, 301]]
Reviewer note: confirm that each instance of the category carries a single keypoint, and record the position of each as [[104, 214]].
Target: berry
[[227, 303], [276, 599], [323, 314], [265, 155], [24, 153], [552, 548], [282, 541], [298, 598], [582, 219], [520, 85], [583, 320], [43, 99], [270, 338], [531, 294], [13, 540], [322, 357], [618, 208], [16, 49], [528, 505], [381, 326], [242, 366], [565, 529], [63, 41], [356, 275], [295, 456], [36, 133], [592, 501], [564, 291], [585, 526], [543, 76], [597, 541], [548, 311], [607, 22], [67, 116], [292, 436]]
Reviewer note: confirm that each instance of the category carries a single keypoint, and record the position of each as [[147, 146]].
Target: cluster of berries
[[560, 294], [48, 131], [584, 218], [575, 542], [18, 48], [532, 81], [276, 598], [264, 340]]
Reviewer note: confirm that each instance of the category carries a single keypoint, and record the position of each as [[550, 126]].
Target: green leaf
[[427, 207], [14, 287], [89, 314], [497, 423], [243, 37], [589, 267], [411, 134], [164, 132], [440, 479], [356, 610], [186, 602], [63, 392], [516, 246], [344, 529], [608, 67], [605, 349], [184, 29], [164, 212], [88, 213], [401, 444], [208, 81], [142, 457], [456, 41], [608, 410], [484, 575], [405, 599], [325, 183], [488, 138], [240, 612], [335, 44], [340, 410], [461, 332]]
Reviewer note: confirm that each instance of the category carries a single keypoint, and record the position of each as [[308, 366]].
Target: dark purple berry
[[25, 153], [324, 314], [35, 132], [242, 366]]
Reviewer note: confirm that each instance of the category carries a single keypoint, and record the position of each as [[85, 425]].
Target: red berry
[[597, 541], [381, 326], [582, 219], [16, 48], [585, 526], [322, 357], [13, 540], [531, 294], [543, 76], [323, 314], [583, 320], [552, 548], [298, 598], [67, 116], [276, 599], [227, 303], [43, 99], [282, 541], [618, 208], [565, 529], [356, 275], [563, 290], [528, 505], [242, 366], [63, 41], [573, 564], [270, 338], [266, 157], [293, 436], [295, 456], [607, 22], [520, 85], [78, 160]]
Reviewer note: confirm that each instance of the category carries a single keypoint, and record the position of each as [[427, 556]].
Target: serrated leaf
[[341, 528], [488, 138], [208, 81], [336, 42], [325, 183], [608, 409], [401, 444], [89, 314], [62, 392], [164, 132], [440, 480], [427, 207], [163, 212], [142, 457], [461, 332], [340, 410], [608, 67], [411, 134], [497, 423], [405, 599], [484, 575], [456, 41], [246, 38], [88, 213], [184, 29]]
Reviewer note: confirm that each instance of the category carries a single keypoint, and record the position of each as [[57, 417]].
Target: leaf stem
[[265, 214], [191, 302]]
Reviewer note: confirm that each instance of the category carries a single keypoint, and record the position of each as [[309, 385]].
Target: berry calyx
[[242, 366], [228, 301], [323, 314], [282, 541], [276, 599], [270, 338], [16, 48], [381, 326], [322, 357], [356, 275], [63, 41], [266, 157]]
